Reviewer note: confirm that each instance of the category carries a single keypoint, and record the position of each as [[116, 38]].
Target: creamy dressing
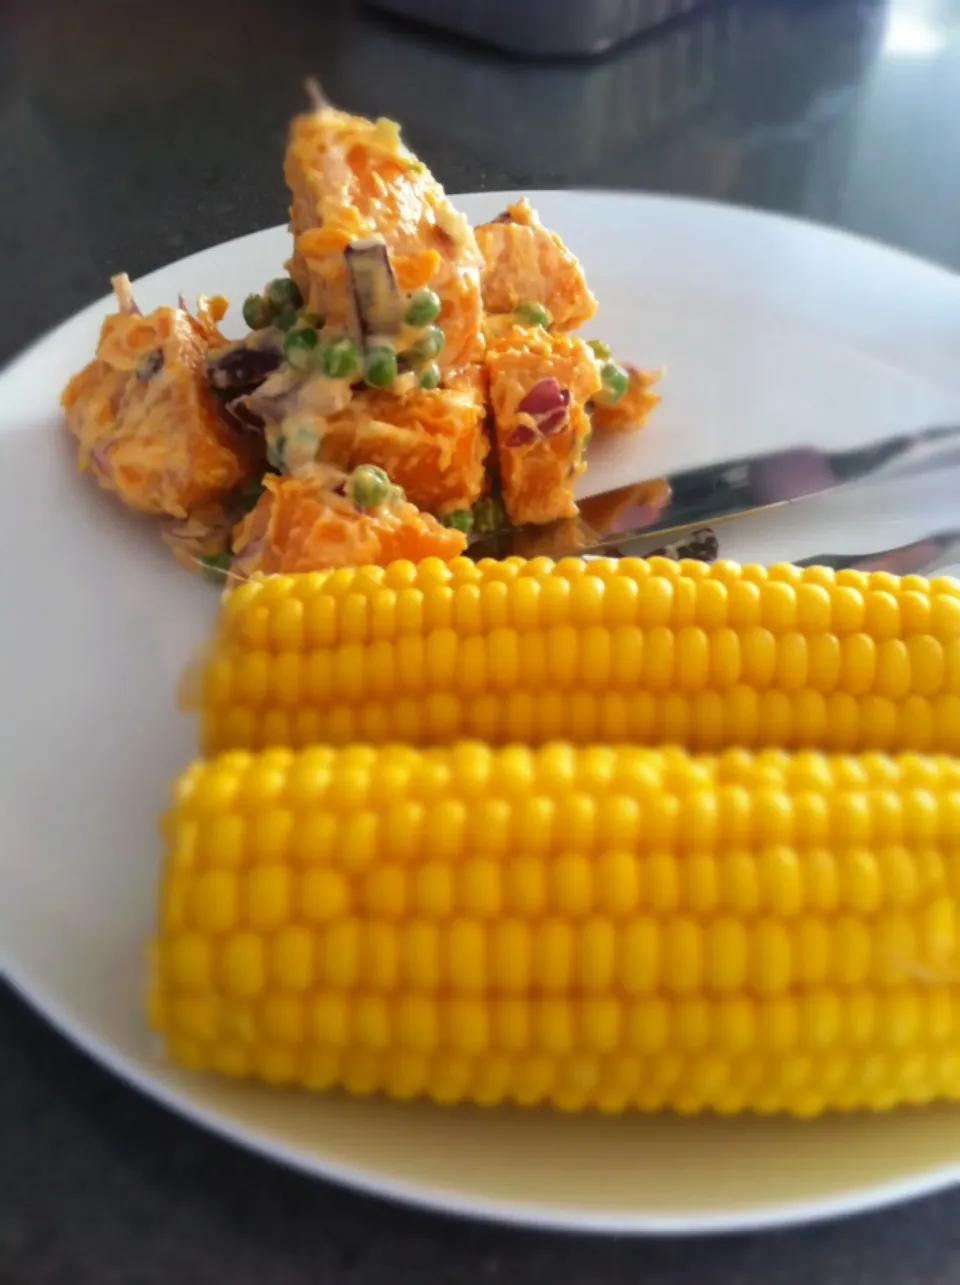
[[454, 224], [322, 396]]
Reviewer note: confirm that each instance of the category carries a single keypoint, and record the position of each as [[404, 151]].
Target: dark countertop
[[131, 135]]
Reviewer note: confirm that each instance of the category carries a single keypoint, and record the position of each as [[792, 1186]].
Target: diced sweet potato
[[304, 524], [539, 386], [432, 443], [148, 426], [633, 408], [352, 178], [524, 262]]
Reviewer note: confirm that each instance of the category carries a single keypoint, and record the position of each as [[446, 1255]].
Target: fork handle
[[906, 559]]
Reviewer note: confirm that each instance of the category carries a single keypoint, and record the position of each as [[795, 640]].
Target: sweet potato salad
[[410, 381]]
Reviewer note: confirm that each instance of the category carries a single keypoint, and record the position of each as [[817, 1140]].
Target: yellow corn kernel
[[611, 928], [290, 957], [651, 651], [266, 896]]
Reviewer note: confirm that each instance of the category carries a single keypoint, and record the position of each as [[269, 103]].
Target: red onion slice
[[522, 435], [544, 398], [549, 405], [554, 422]]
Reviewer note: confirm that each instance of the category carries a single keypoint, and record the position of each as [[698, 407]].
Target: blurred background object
[[544, 28], [594, 111]]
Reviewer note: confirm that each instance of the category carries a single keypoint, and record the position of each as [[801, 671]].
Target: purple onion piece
[[377, 302], [98, 458], [244, 561], [272, 406], [548, 404], [553, 423], [318, 99], [544, 398], [522, 435], [244, 416], [237, 370]]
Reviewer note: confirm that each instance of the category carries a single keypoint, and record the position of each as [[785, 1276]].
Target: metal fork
[[920, 557]]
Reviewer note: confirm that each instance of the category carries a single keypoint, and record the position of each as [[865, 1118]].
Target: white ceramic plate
[[773, 332]]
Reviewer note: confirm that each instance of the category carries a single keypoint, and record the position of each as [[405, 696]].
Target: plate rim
[[798, 1213], [414, 1195]]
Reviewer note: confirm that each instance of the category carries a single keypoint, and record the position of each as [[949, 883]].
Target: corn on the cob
[[654, 652], [596, 927]]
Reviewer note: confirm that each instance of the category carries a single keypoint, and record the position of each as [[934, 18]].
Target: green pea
[[287, 320], [275, 451], [380, 366], [600, 349], [462, 520], [397, 496], [340, 359], [488, 515], [283, 294], [298, 348], [616, 381], [424, 307], [368, 486], [429, 345], [216, 565], [430, 376], [532, 314], [257, 312]]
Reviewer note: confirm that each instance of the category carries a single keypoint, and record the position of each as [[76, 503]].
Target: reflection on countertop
[[126, 145]]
